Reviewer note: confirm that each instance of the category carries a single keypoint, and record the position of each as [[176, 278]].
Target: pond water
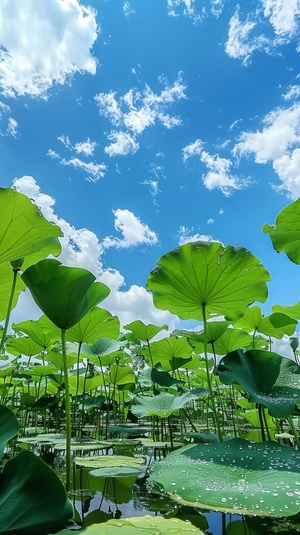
[[97, 500]]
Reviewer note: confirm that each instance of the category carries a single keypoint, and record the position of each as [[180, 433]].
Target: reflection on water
[[97, 500]]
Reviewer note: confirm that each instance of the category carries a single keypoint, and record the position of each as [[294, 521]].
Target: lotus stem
[[9, 307], [68, 413]]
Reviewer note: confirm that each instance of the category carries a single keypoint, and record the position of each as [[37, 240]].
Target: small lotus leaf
[[162, 405], [109, 461], [144, 332]]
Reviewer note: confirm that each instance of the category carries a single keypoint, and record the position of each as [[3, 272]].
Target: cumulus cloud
[[133, 230], [186, 235], [219, 174], [43, 43], [81, 248], [283, 15], [277, 143], [241, 42], [134, 111]]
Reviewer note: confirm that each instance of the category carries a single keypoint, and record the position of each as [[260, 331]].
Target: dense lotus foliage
[[215, 409]]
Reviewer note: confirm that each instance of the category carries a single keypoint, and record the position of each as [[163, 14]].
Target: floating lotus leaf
[[145, 525], [77, 445], [126, 430], [268, 378], [117, 471], [237, 476], [109, 461], [45, 439], [224, 280], [285, 234], [162, 405]]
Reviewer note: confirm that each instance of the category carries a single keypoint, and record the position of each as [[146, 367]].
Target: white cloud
[[53, 154], [210, 221], [134, 111], [193, 149], [293, 93], [281, 131], [188, 9], [133, 230], [221, 211], [186, 235], [217, 7], [94, 170], [283, 15], [241, 42], [287, 168], [128, 10], [12, 128], [219, 173], [122, 144], [81, 248], [85, 147], [44, 43]]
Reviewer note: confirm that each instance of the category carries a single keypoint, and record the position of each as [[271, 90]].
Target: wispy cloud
[[31, 64], [94, 170], [187, 7], [135, 110], [186, 235], [134, 231], [128, 10], [219, 174]]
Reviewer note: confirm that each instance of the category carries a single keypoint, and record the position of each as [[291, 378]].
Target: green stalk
[[68, 413], [294, 432], [211, 393], [9, 307]]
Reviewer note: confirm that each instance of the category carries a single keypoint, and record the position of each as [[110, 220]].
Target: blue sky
[[139, 125]]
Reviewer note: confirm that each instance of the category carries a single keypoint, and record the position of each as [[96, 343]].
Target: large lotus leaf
[[6, 278], [39, 331], [145, 525], [285, 234], [152, 375], [81, 385], [39, 371], [104, 346], [293, 311], [8, 427], [121, 375], [65, 294], [214, 330], [97, 323], [32, 497], [144, 332], [268, 378], [23, 229], [165, 351], [23, 346], [275, 325], [162, 405], [224, 280], [57, 360], [236, 476]]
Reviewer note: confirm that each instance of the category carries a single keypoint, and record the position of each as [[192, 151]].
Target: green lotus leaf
[[215, 329], [23, 229], [236, 476], [6, 278], [44, 439], [121, 375], [116, 471], [145, 525], [167, 351], [285, 234], [7, 370], [224, 280], [39, 371], [293, 311], [162, 405], [275, 325], [38, 331], [29, 493], [23, 346], [57, 361], [144, 332], [64, 294], [103, 346], [126, 430], [9, 427], [152, 375], [109, 461], [97, 323], [268, 378]]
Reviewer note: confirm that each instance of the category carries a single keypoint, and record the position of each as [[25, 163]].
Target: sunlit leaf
[[285, 234], [97, 323], [144, 332], [275, 325], [162, 405], [147, 525], [224, 280]]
